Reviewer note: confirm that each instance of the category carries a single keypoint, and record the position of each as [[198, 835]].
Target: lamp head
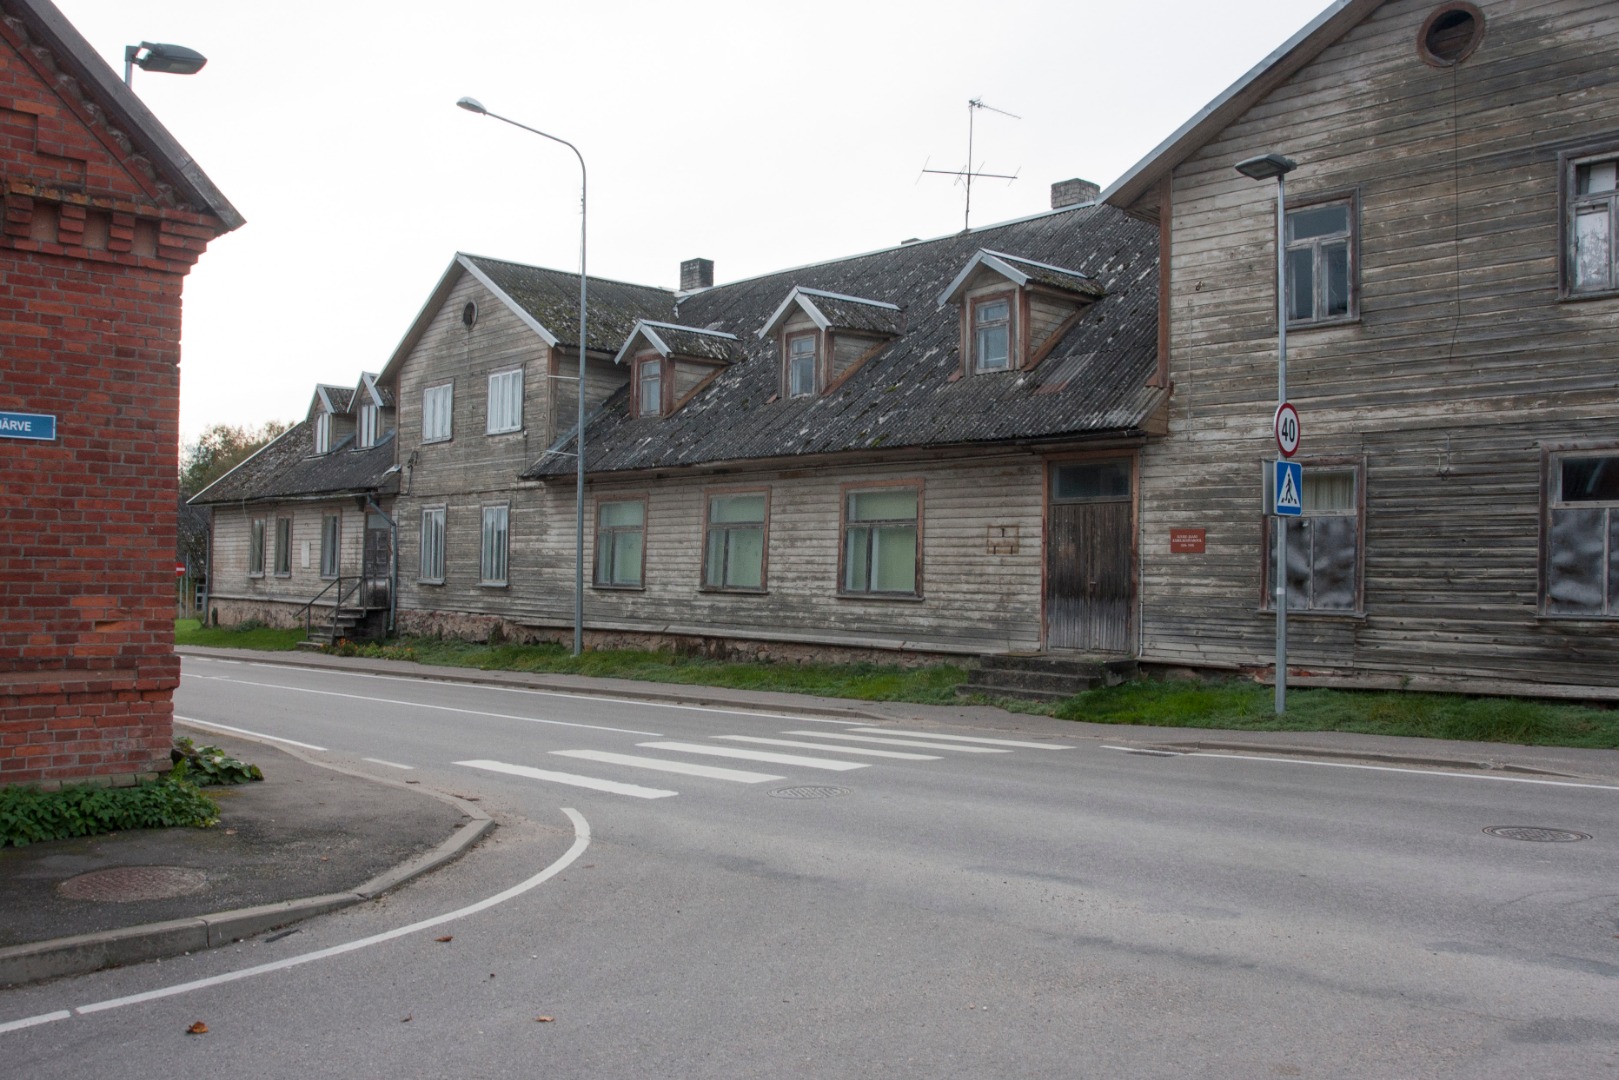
[[472, 105], [168, 59], [1266, 166]]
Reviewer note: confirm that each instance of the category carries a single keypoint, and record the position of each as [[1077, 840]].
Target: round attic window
[[469, 314], [1450, 34]]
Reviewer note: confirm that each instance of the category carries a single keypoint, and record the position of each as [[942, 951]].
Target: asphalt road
[[973, 909]]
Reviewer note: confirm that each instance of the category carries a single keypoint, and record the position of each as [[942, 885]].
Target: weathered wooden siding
[[1463, 363], [847, 349], [228, 578]]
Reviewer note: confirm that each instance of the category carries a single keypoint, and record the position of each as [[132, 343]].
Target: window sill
[[506, 431], [891, 598], [1322, 324], [1572, 297], [732, 590], [435, 442], [617, 588], [1595, 620], [493, 585], [430, 581], [1298, 613]]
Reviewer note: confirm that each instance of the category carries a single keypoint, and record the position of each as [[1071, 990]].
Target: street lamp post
[[1263, 168], [168, 59], [473, 105]]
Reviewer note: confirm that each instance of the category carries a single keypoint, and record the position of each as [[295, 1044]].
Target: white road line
[[757, 755], [861, 750], [422, 705], [955, 747], [390, 764], [571, 779], [1399, 769], [209, 725], [581, 841], [966, 739], [524, 690], [712, 772]]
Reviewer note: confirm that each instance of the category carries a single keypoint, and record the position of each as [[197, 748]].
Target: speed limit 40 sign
[[1287, 429]]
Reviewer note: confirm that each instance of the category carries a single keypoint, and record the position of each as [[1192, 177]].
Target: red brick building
[[104, 214]]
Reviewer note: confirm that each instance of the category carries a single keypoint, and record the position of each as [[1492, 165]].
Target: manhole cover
[[808, 791], [125, 884], [1532, 832]]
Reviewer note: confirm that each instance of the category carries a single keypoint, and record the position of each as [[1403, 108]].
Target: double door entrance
[[1090, 557]]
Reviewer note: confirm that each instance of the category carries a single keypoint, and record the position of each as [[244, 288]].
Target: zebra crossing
[[781, 754]]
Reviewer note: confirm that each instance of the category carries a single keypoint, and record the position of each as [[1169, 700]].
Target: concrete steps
[[1044, 676]]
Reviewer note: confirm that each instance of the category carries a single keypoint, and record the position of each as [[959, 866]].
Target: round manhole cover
[[125, 884], [808, 791], [1534, 832]]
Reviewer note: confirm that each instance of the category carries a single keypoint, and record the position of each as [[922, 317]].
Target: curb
[[85, 953], [1357, 755]]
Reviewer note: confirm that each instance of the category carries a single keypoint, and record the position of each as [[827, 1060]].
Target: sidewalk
[[312, 837]]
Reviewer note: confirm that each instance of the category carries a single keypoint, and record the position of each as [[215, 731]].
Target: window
[[1323, 543], [330, 560], [430, 565], [1450, 34], [734, 542], [649, 387], [255, 549], [801, 365], [880, 552], [620, 543], [505, 401], [992, 334], [283, 547], [323, 433], [1581, 540], [492, 564], [436, 407], [1320, 263], [368, 426], [1591, 210]]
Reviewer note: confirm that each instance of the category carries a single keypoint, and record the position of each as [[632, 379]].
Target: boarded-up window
[[734, 547], [1323, 544], [880, 541], [620, 543], [430, 567], [1582, 536]]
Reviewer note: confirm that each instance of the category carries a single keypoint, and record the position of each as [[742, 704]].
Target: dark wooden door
[[378, 559], [1090, 579]]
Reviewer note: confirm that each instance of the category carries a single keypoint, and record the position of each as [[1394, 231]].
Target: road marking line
[[571, 779], [209, 725], [902, 742], [423, 705], [966, 739], [713, 772], [861, 750], [1400, 769], [390, 764], [757, 755], [581, 841]]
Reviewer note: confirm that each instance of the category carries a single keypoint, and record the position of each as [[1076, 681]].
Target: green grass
[[268, 639]]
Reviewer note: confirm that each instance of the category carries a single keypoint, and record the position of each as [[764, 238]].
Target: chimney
[[1073, 192], [696, 274]]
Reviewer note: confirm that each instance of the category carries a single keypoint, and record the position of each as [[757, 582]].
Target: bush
[[206, 765], [29, 815]]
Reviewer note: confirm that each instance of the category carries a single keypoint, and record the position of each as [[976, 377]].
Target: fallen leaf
[[446, 937], [406, 1020], [545, 1019], [230, 832], [199, 1028]]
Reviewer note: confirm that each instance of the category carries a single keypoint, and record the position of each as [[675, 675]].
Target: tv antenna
[[967, 173]]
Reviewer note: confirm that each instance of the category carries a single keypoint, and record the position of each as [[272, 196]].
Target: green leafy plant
[[29, 815], [206, 765]]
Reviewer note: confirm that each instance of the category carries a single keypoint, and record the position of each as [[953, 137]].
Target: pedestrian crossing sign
[[1288, 486]]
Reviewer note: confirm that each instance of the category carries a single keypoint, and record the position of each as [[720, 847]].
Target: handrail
[[309, 608], [355, 585]]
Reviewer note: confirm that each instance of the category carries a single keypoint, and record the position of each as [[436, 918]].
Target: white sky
[[759, 135]]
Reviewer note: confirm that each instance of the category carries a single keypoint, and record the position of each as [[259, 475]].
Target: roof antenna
[[966, 174]]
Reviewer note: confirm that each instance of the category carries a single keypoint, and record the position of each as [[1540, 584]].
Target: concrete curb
[[1430, 762], [86, 953]]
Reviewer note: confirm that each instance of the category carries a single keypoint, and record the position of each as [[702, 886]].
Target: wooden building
[[1453, 341]]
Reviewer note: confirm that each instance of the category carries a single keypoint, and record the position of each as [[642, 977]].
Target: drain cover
[[1533, 832], [125, 884], [808, 791]]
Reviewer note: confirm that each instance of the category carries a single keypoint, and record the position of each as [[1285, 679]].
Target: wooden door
[[378, 559], [1090, 573]]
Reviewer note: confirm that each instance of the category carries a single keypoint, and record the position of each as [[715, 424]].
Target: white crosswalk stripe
[[954, 747], [571, 779], [861, 750], [687, 768], [756, 755], [961, 738]]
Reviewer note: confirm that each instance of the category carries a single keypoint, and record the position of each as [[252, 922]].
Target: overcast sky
[[759, 135]]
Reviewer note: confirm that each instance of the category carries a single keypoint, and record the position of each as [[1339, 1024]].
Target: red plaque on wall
[[1186, 541]]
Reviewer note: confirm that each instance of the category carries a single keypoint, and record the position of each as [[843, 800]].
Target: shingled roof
[[1094, 381], [289, 468]]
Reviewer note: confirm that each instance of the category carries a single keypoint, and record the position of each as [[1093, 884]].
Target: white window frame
[[438, 413], [368, 426], [430, 556], [331, 546], [980, 331], [495, 545], [323, 432], [505, 402]]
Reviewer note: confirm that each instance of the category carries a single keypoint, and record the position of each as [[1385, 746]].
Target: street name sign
[[1289, 489], [1286, 426], [17, 425]]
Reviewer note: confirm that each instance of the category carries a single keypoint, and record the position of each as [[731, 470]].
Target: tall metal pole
[[473, 105], [1281, 398]]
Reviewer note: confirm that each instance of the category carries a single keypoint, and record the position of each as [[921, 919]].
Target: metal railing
[[363, 593]]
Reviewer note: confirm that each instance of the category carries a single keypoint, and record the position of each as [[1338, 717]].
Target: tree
[[217, 451]]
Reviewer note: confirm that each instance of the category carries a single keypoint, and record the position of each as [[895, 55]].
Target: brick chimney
[[696, 274], [1073, 192]]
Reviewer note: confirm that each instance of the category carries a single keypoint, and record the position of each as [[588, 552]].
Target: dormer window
[[649, 387], [801, 365], [368, 426], [992, 333], [668, 364], [323, 433]]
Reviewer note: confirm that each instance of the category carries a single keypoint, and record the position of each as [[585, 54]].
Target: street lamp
[[473, 105], [1264, 167], [167, 59]]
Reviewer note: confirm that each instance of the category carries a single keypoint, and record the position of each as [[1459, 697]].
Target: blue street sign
[[1289, 489], [17, 425]]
